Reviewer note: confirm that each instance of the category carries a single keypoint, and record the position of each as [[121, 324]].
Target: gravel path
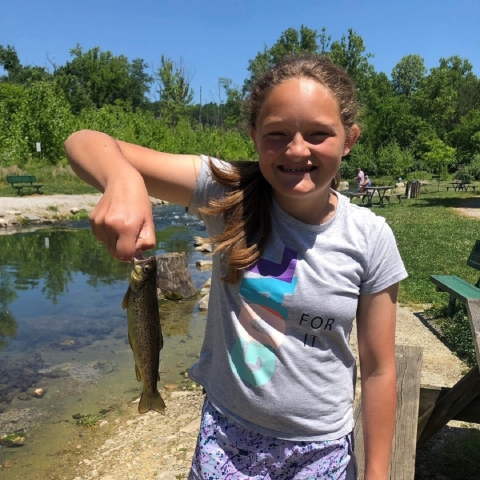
[[47, 205]]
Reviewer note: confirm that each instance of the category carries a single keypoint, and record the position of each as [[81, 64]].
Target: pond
[[63, 331]]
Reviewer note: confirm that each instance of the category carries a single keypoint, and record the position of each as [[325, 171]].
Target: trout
[[144, 331]]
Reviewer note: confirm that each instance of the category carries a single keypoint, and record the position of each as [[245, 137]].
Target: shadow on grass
[[429, 323], [453, 453], [453, 202]]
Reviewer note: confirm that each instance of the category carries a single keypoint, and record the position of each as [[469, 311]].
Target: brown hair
[[246, 208]]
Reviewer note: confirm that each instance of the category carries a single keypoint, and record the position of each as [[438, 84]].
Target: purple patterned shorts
[[227, 451]]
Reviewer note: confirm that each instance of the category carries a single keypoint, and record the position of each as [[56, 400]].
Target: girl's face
[[300, 140]]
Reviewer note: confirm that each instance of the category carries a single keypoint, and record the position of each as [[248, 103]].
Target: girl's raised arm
[[127, 174]]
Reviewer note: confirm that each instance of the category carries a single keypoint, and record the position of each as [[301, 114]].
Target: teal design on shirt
[[253, 362]]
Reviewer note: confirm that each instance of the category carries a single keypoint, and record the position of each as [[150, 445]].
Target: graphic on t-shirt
[[263, 317]]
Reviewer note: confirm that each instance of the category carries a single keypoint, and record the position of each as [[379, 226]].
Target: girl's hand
[[122, 220]]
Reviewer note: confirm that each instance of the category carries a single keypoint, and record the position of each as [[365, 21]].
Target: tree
[[408, 74], [100, 78], [42, 115], [350, 54], [437, 99], [466, 135], [17, 73], [174, 89], [291, 42], [439, 156], [233, 105]]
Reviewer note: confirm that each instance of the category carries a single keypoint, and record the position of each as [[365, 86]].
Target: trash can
[[412, 189]]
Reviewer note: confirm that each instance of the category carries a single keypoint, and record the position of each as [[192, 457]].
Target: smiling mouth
[[297, 170]]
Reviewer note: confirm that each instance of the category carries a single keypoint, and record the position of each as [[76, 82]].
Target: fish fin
[[137, 373], [151, 401], [126, 297]]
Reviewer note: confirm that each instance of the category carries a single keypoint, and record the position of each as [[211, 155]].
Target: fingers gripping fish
[[144, 331]]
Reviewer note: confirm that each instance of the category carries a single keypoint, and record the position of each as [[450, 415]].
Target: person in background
[[359, 178], [365, 184], [295, 263]]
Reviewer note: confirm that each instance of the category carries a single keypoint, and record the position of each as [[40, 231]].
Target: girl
[[295, 263]]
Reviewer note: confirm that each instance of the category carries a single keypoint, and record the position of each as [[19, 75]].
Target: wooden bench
[[398, 195], [354, 194], [458, 288], [21, 181], [402, 460], [462, 401]]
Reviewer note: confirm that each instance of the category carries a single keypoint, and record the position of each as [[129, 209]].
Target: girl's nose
[[298, 147]]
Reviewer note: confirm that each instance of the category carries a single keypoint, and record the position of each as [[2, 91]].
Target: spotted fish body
[[144, 331]]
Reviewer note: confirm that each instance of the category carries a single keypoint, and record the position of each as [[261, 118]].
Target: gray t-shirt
[[276, 355]]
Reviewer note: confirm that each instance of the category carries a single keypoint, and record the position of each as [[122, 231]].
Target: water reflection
[[60, 290], [62, 329]]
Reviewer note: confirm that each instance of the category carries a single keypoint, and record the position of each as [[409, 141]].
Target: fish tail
[[151, 401]]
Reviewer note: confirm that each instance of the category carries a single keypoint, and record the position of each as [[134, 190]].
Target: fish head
[[144, 271]]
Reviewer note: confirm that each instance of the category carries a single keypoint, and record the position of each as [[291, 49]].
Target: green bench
[[21, 181], [458, 288]]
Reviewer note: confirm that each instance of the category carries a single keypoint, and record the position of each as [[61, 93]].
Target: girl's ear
[[352, 137]]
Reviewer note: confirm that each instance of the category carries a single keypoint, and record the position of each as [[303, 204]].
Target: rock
[[74, 211], [342, 186], [3, 222], [192, 427], [31, 218], [179, 394], [206, 248], [171, 386], [204, 291], [203, 303], [24, 396], [204, 264], [39, 392], [166, 476]]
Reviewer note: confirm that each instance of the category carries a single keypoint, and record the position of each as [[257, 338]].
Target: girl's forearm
[[98, 159], [378, 417]]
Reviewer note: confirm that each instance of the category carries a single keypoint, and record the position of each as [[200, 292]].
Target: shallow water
[[62, 329]]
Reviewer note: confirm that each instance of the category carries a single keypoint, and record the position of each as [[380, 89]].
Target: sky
[[217, 38]]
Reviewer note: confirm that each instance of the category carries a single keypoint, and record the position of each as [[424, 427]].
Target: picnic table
[[351, 194], [461, 185], [381, 191], [462, 401]]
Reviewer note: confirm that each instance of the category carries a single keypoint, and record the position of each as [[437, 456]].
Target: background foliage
[[412, 119]]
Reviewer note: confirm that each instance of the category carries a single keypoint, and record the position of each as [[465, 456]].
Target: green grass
[[463, 458], [55, 180], [433, 239]]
